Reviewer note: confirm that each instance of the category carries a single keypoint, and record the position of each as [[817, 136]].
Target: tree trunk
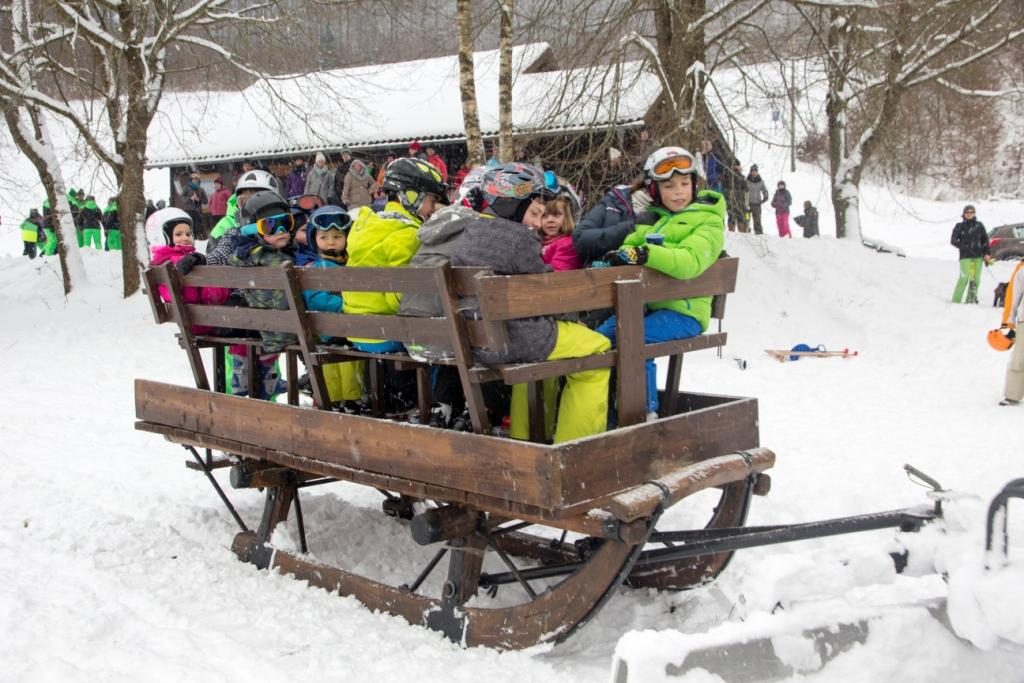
[[506, 152], [39, 151], [681, 117], [467, 85]]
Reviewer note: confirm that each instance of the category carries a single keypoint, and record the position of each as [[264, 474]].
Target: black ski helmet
[[262, 204], [408, 179]]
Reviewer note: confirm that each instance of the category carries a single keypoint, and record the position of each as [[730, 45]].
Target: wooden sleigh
[[561, 525]]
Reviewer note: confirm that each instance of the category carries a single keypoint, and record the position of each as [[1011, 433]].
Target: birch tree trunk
[[467, 85], [506, 151]]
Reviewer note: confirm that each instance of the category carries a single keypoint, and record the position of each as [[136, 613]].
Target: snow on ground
[[117, 559]]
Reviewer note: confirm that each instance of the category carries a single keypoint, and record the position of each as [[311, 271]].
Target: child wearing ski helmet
[[415, 190], [326, 233], [265, 240], [438, 239], [169, 232], [680, 234], [513, 195], [249, 183]]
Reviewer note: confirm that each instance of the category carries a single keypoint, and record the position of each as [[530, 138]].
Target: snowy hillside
[[116, 558]]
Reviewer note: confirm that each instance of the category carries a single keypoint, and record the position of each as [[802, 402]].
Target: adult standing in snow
[[92, 219], [111, 226], [195, 197], [735, 189], [781, 201], [320, 179], [435, 160], [1013, 311], [971, 238], [219, 201], [359, 186], [295, 183], [757, 194]]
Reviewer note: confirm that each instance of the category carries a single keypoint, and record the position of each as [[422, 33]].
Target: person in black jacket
[[809, 220], [604, 227], [971, 238]]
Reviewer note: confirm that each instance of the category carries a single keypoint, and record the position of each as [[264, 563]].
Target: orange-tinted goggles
[[663, 170], [273, 225]]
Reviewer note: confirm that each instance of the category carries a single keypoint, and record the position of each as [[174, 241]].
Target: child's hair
[[568, 224], [807, 204]]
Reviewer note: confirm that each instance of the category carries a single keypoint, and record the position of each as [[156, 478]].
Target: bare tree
[[874, 55], [467, 85], [506, 152], [31, 135], [117, 57]]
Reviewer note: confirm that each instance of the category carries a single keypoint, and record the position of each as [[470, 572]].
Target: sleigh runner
[[563, 525]]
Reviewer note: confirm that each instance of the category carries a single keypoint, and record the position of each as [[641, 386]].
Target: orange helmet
[[1000, 341]]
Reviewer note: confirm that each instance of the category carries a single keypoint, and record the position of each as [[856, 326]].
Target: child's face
[[534, 215], [278, 240], [181, 235], [676, 193], [428, 206], [331, 240], [553, 221]]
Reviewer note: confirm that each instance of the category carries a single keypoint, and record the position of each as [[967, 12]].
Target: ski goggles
[[664, 169], [306, 202], [275, 225], [332, 221]]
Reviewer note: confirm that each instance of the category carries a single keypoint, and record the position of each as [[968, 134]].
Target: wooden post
[[631, 385], [307, 340], [188, 339]]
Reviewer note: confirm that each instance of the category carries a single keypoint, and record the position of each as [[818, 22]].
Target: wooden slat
[[327, 279], [265, 319], [586, 521], [393, 327], [531, 372], [497, 467], [504, 297], [607, 463]]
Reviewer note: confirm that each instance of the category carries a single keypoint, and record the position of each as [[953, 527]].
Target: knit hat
[[753, 167], [320, 157], [414, 146], [969, 207]]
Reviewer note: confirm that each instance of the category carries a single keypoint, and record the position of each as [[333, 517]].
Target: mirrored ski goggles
[[306, 202], [275, 225], [664, 169], [332, 221]]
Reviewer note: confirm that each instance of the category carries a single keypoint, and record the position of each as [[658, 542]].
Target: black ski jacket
[[971, 238]]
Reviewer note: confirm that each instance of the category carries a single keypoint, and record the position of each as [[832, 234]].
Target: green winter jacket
[[388, 238], [694, 239], [230, 219]]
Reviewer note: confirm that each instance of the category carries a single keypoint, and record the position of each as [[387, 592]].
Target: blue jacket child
[[326, 240]]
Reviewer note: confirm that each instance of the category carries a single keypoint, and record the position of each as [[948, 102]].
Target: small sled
[[804, 351]]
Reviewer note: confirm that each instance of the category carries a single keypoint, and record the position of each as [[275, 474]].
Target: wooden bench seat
[[626, 290]]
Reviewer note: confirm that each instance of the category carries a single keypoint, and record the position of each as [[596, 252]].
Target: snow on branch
[[645, 45], [979, 93]]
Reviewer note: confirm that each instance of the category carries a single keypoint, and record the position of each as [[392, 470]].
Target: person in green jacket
[[111, 226], [50, 248], [91, 217], [681, 234], [389, 238], [76, 198]]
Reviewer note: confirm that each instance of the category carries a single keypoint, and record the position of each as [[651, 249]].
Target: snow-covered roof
[[390, 105]]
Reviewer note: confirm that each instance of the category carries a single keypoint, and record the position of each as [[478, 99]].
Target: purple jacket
[[295, 183]]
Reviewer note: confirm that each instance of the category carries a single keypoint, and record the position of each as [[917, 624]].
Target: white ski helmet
[[158, 226], [256, 180]]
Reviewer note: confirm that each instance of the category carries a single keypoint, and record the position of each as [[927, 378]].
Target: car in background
[[1006, 241]]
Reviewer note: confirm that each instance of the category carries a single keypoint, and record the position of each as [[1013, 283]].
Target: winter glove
[[628, 256], [190, 261], [640, 201]]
